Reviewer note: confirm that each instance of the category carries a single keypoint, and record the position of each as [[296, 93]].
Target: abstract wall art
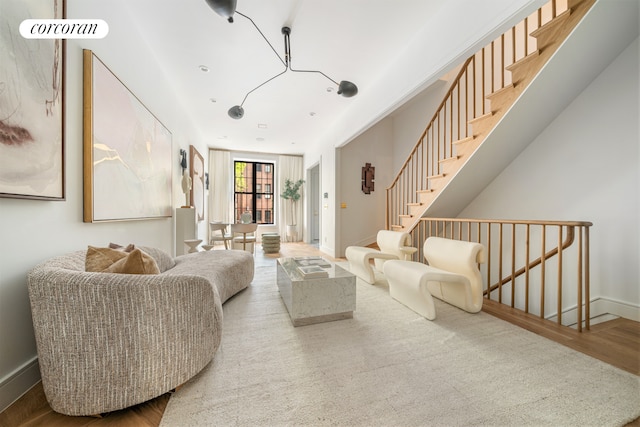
[[127, 151], [368, 176], [31, 105]]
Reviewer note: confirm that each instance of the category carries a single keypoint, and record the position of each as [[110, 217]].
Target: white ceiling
[[389, 49]]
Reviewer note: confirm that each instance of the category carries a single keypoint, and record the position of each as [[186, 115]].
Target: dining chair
[[218, 233], [244, 234]]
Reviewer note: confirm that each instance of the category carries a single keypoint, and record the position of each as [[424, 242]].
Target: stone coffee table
[[316, 300]]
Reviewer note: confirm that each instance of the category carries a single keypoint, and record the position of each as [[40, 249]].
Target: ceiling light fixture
[[226, 9]]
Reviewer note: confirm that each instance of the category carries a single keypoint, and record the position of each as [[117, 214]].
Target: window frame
[[260, 179]]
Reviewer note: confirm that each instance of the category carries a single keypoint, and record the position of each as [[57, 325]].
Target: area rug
[[391, 367]]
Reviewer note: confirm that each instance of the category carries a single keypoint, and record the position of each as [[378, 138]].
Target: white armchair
[[394, 245], [452, 276]]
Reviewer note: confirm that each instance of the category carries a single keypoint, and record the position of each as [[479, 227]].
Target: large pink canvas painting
[[127, 151]]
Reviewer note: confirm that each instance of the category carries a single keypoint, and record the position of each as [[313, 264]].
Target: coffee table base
[[321, 319]]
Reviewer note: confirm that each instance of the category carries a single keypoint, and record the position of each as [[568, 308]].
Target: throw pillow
[[109, 260], [136, 262], [163, 259], [98, 259]]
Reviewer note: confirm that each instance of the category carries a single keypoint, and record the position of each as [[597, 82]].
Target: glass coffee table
[[325, 296]]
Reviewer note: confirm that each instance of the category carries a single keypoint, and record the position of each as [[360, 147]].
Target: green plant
[[292, 193]]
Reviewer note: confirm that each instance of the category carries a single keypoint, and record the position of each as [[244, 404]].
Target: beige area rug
[[390, 367]]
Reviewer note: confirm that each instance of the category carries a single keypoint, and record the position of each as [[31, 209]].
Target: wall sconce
[[183, 160], [206, 180]]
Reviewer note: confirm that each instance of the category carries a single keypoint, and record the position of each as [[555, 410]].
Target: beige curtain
[[290, 167], [220, 189]]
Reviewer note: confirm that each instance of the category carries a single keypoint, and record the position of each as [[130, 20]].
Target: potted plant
[[292, 194]]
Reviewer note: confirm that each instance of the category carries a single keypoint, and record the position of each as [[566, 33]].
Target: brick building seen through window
[[253, 191]]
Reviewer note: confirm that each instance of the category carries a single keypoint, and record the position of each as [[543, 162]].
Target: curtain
[[220, 189], [290, 167]]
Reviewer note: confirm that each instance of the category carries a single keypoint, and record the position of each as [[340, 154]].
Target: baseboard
[[327, 250], [599, 307], [18, 383], [366, 242], [621, 309]]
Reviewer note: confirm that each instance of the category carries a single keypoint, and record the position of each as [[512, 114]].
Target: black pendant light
[[226, 9]]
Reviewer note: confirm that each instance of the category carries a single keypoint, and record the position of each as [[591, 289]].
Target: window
[[253, 191]]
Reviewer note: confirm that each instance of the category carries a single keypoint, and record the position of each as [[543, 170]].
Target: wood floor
[[616, 342]]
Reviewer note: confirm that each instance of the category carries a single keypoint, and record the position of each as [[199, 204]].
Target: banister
[[430, 122], [553, 252], [570, 234]]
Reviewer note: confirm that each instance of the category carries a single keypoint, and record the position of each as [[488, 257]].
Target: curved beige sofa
[[108, 341]]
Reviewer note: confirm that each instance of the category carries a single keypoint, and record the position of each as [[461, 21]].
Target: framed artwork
[[198, 182], [31, 105], [127, 151]]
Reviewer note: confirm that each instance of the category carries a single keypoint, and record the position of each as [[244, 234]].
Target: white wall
[[585, 166], [362, 215], [32, 231], [386, 146], [325, 157]]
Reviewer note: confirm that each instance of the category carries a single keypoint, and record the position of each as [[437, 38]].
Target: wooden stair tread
[[521, 62], [441, 175], [449, 159], [480, 118], [500, 91], [555, 22], [463, 140]]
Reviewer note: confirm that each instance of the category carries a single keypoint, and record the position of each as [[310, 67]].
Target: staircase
[[501, 100], [469, 127]]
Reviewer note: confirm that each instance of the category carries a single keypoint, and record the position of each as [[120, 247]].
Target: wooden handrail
[[430, 123], [536, 262]]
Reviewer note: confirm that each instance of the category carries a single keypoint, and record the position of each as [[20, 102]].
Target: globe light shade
[[347, 89], [224, 8], [236, 112]]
